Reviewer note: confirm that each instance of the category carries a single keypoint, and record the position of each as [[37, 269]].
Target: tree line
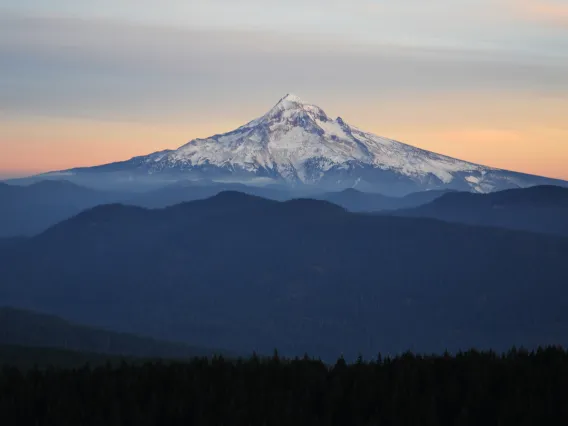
[[470, 388]]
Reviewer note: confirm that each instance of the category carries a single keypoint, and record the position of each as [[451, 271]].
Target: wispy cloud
[[105, 69]]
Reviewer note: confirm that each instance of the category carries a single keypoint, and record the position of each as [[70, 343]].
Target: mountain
[[32, 329], [246, 273], [538, 209], [357, 201], [298, 144], [28, 210]]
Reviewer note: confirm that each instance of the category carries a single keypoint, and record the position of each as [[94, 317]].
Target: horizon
[[76, 94]]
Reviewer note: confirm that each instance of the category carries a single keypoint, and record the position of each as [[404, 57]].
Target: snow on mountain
[[298, 144]]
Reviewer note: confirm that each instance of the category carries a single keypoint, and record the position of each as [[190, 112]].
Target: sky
[[85, 83]]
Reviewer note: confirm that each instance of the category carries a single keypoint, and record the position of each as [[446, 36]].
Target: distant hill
[[357, 201], [539, 209], [246, 273], [32, 329], [28, 210]]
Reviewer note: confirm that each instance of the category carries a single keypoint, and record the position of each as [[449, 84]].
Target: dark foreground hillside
[[27, 328], [26, 358], [471, 388]]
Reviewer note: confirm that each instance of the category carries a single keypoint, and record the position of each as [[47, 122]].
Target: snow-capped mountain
[[298, 144]]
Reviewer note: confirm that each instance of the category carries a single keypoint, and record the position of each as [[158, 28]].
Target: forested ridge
[[471, 388]]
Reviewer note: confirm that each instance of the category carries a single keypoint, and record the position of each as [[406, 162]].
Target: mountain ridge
[[29, 210], [298, 275], [537, 209]]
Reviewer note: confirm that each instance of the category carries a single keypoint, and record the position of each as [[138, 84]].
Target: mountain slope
[[27, 328], [246, 273], [298, 144], [538, 209]]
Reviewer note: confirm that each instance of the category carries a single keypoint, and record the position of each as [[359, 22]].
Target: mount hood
[[298, 145]]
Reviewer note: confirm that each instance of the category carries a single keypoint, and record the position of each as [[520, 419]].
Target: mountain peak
[[291, 98], [287, 103], [294, 110]]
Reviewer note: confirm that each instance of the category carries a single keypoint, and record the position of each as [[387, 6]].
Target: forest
[[468, 388]]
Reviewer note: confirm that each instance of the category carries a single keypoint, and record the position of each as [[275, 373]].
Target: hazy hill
[[28, 210], [357, 201], [539, 209], [190, 191]]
